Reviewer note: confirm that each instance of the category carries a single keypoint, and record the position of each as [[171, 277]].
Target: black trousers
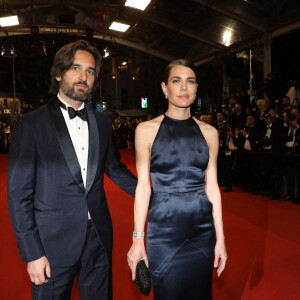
[[292, 174], [93, 271], [232, 168], [270, 175], [250, 170], [221, 169]]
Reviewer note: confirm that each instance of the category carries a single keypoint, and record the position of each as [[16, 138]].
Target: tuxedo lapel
[[93, 149], [65, 141]]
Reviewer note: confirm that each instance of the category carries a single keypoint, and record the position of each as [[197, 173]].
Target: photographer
[[2, 138], [262, 108], [291, 134], [238, 118], [232, 157], [253, 100], [270, 143], [249, 136], [222, 127]]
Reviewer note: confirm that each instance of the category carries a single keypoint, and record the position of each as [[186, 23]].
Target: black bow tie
[[79, 113], [73, 113]]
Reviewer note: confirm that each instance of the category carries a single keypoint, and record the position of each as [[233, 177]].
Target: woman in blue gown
[[185, 235]]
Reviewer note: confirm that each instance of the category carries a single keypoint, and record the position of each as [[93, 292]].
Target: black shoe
[[274, 198], [227, 190], [287, 198], [255, 192], [266, 194], [297, 201]]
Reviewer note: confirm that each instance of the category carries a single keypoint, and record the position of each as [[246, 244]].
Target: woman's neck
[[178, 113]]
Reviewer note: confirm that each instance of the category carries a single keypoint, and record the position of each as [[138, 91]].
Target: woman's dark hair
[[64, 59], [175, 63]]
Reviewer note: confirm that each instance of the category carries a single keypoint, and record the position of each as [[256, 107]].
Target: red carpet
[[262, 237]]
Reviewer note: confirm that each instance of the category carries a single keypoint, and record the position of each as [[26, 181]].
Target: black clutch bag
[[143, 278]]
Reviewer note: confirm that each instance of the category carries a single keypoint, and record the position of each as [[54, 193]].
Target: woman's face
[[181, 87]]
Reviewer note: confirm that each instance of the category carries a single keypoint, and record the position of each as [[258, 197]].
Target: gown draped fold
[[181, 234]]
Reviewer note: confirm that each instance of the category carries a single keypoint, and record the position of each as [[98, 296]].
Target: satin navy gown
[[181, 234]]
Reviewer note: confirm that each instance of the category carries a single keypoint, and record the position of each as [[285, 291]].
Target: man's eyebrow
[[78, 65]]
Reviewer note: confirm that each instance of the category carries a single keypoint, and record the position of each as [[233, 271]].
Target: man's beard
[[76, 96]]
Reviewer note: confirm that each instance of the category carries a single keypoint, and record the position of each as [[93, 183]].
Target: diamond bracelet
[[138, 235]]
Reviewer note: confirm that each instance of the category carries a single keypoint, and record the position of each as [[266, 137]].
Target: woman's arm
[[213, 193], [143, 138]]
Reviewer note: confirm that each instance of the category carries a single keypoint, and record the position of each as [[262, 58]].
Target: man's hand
[[37, 270], [244, 133], [294, 123]]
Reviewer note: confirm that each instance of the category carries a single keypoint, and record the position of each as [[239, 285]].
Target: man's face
[[238, 109], [285, 101], [224, 95], [220, 117], [232, 100], [209, 119], [250, 120], [272, 115], [268, 120], [261, 106], [77, 82]]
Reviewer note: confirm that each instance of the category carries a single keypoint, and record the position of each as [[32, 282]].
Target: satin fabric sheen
[[181, 234]]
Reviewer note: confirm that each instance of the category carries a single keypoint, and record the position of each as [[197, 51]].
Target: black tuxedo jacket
[[275, 138], [47, 201], [253, 137]]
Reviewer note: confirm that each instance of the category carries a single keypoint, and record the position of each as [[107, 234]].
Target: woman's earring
[[166, 96], [195, 97]]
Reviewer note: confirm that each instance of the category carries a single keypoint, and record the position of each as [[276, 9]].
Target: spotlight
[[9, 20], [227, 37], [119, 26], [139, 4]]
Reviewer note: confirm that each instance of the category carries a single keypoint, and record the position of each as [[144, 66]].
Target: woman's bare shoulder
[[148, 129], [151, 125], [209, 132]]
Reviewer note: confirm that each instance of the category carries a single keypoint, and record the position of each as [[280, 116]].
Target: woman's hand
[[220, 257], [136, 253]]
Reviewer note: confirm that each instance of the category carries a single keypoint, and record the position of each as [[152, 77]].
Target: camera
[[266, 114], [223, 127], [245, 128]]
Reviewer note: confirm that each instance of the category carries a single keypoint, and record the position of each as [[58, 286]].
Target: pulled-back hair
[[175, 63], [64, 59]]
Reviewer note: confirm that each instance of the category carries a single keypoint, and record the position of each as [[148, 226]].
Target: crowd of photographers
[[259, 145], [124, 131], [6, 129]]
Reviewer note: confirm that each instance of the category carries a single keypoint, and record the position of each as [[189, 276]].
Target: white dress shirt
[[247, 145], [268, 135], [292, 130], [79, 132]]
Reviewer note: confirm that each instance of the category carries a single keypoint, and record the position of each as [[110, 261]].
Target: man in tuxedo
[[271, 146], [291, 133], [248, 137], [57, 160]]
